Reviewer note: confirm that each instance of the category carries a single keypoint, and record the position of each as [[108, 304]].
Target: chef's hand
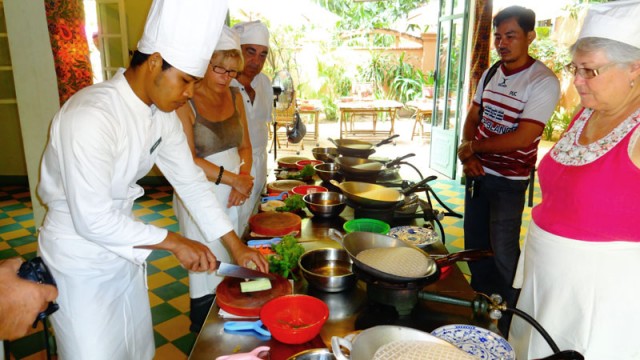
[[465, 151], [243, 184], [192, 255], [243, 254], [237, 198], [472, 167], [20, 300]]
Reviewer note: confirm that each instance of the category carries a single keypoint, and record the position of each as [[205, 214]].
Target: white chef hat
[[253, 32], [184, 32], [617, 20], [229, 39]]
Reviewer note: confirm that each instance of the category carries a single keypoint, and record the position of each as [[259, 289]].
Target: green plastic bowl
[[369, 225]]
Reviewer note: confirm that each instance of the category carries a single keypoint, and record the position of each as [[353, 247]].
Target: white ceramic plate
[[479, 342], [418, 236]]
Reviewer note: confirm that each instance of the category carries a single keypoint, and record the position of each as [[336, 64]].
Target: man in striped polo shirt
[[499, 149]]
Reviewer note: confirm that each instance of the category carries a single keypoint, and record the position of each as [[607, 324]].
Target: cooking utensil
[[281, 196], [321, 153], [376, 196], [226, 269], [294, 319], [328, 269], [359, 148], [230, 299], [356, 242], [259, 353], [329, 171], [274, 224], [363, 346], [325, 204], [313, 354], [252, 328], [265, 242], [289, 162], [356, 166]]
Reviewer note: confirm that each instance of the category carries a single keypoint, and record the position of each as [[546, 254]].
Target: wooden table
[[346, 308], [423, 110], [349, 109]]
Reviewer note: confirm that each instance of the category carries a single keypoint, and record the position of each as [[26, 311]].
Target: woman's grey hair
[[616, 51]]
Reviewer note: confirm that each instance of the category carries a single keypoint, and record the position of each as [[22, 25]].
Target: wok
[[351, 165], [359, 148], [356, 242], [376, 196]]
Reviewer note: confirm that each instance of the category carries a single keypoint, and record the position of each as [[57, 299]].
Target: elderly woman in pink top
[[578, 271]]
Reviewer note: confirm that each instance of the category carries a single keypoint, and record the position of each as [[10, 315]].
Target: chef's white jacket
[[102, 141]]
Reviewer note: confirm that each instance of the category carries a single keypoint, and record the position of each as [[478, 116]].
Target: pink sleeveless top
[[591, 192]]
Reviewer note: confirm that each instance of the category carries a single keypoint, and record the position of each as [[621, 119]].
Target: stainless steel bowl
[[329, 171], [328, 269], [313, 354], [325, 204], [322, 153]]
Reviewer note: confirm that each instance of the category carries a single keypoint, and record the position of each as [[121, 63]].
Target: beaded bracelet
[[220, 175]]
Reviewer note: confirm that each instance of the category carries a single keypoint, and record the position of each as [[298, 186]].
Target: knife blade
[[233, 270]]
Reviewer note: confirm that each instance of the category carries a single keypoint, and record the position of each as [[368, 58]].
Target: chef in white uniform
[[102, 141], [257, 93]]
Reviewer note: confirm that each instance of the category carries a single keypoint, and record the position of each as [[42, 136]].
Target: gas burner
[[401, 296]]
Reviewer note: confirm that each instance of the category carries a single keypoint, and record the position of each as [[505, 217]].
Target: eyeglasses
[[586, 73], [220, 70]]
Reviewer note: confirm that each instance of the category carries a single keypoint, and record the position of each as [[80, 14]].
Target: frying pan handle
[[335, 235], [397, 160], [336, 346], [465, 255], [411, 188], [387, 140]]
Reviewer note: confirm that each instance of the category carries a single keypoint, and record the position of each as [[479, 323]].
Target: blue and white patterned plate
[[416, 235], [479, 342]]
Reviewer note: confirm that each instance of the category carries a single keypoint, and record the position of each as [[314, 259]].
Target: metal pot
[[359, 148], [328, 269], [377, 196], [364, 345]]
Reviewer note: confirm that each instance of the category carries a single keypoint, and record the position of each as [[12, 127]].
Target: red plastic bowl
[[306, 189], [294, 319], [302, 163]]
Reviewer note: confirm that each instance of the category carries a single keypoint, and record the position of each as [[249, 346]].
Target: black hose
[[414, 168], [537, 326]]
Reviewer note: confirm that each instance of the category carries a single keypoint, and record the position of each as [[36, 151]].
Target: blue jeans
[[492, 218]]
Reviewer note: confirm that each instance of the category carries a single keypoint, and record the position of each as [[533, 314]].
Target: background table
[[424, 110], [349, 109]]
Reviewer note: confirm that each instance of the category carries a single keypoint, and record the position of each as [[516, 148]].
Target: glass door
[[112, 36], [448, 115]]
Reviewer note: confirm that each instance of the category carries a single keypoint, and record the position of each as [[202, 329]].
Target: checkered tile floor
[[168, 282]]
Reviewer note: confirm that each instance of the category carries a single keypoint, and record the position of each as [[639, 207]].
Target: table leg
[[316, 119]]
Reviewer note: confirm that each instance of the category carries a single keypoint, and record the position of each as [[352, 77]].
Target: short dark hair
[[139, 58], [526, 18]]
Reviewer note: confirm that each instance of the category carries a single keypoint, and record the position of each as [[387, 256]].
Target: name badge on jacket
[[155, 145]]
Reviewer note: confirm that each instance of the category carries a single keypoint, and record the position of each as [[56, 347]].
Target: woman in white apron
[[578, 270], [216, 129]]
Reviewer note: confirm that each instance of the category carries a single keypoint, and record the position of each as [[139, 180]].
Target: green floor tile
[[163, 312], [177, 272], [185, 343], [170, 291]]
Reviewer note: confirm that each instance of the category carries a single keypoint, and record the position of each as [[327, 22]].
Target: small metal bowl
[[322, 153], [328, 269], [328, 172], [313, 354], [325, 204]]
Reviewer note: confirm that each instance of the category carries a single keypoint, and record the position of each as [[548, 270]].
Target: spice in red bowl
[[294, 319]]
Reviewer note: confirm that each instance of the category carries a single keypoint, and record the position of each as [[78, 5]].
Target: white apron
[[259, 173], [104, 305], [584, 294], [203, 283]]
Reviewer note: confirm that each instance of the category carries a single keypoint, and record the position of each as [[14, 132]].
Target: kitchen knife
[[232, 270]]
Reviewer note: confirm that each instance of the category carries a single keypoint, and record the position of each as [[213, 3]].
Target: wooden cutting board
[[274, 223], [230, 299]]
